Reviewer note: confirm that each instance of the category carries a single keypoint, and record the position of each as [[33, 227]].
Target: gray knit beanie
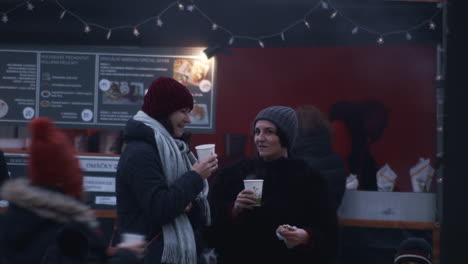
[[285, 120]]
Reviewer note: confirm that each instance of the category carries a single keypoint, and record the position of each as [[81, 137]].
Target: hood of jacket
[[316, 146], [34, 210], [44, 225]]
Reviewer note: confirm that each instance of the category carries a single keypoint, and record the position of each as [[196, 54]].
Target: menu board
[[98, 177], [87, 87]]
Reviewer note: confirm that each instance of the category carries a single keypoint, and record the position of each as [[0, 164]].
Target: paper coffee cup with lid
[[132, 238]]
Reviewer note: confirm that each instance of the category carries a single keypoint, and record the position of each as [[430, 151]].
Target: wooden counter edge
[[90, 154], [387, 224], [105, 213], [344, 222], [97, 213]]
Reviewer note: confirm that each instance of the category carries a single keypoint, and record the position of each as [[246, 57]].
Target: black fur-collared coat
[[48, 227], [293, 194]]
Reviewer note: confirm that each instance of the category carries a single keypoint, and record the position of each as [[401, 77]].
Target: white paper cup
[[205, 151], [257, 187], [132, 238]]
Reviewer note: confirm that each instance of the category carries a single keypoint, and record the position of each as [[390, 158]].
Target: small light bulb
[[282, 36], [231, 41], [159, 22], [333, 15], [214, 26], [109, 34], [438, 77], [190, 8], [87, 29], [432, 25], [408, 36], [306, 24], [63, 14], [4, 18], [355, 30], [181, 6], [380, 40], [261, 44], [30, 6], [136, 32], [324, 4]]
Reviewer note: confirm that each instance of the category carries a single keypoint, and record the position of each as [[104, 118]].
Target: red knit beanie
[[166, 95], [52, 161]]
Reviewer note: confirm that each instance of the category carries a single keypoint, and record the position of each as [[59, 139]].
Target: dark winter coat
[[4, 175], [293, 194], [317, 152], [43, 226], [145, 201]]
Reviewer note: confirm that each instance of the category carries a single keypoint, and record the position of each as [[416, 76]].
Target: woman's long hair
[[167, 124]]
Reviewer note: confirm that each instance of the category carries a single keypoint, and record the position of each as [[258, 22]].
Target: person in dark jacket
[[414, 250], [161, 188], [4, 174], [46, 221], [296, 221], [315, 147]]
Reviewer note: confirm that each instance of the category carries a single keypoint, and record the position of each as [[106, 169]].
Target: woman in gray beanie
[[296, 221]]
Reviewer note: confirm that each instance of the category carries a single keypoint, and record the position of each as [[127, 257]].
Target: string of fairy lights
[[190, 6]]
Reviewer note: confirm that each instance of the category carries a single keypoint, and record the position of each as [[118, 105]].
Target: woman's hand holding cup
[[206, 167], [245, 200], [133, 242]]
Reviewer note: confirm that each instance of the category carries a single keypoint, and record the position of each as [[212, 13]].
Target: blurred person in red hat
[[161, 187], [46, 220]]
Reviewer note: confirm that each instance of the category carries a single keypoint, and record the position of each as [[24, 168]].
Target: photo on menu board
[[190, 72], [199, 114], [194, 73], [123, 93], [3, 108]]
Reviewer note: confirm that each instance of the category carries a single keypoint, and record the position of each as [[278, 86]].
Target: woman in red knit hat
[[46, 221], [161, 188]]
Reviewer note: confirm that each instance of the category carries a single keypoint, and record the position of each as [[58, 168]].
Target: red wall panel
[[401, 77]]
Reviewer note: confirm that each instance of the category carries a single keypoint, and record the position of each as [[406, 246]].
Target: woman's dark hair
[[167, 124], [282, 137]]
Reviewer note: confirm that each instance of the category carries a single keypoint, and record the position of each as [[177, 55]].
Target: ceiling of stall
[[253, 19]]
